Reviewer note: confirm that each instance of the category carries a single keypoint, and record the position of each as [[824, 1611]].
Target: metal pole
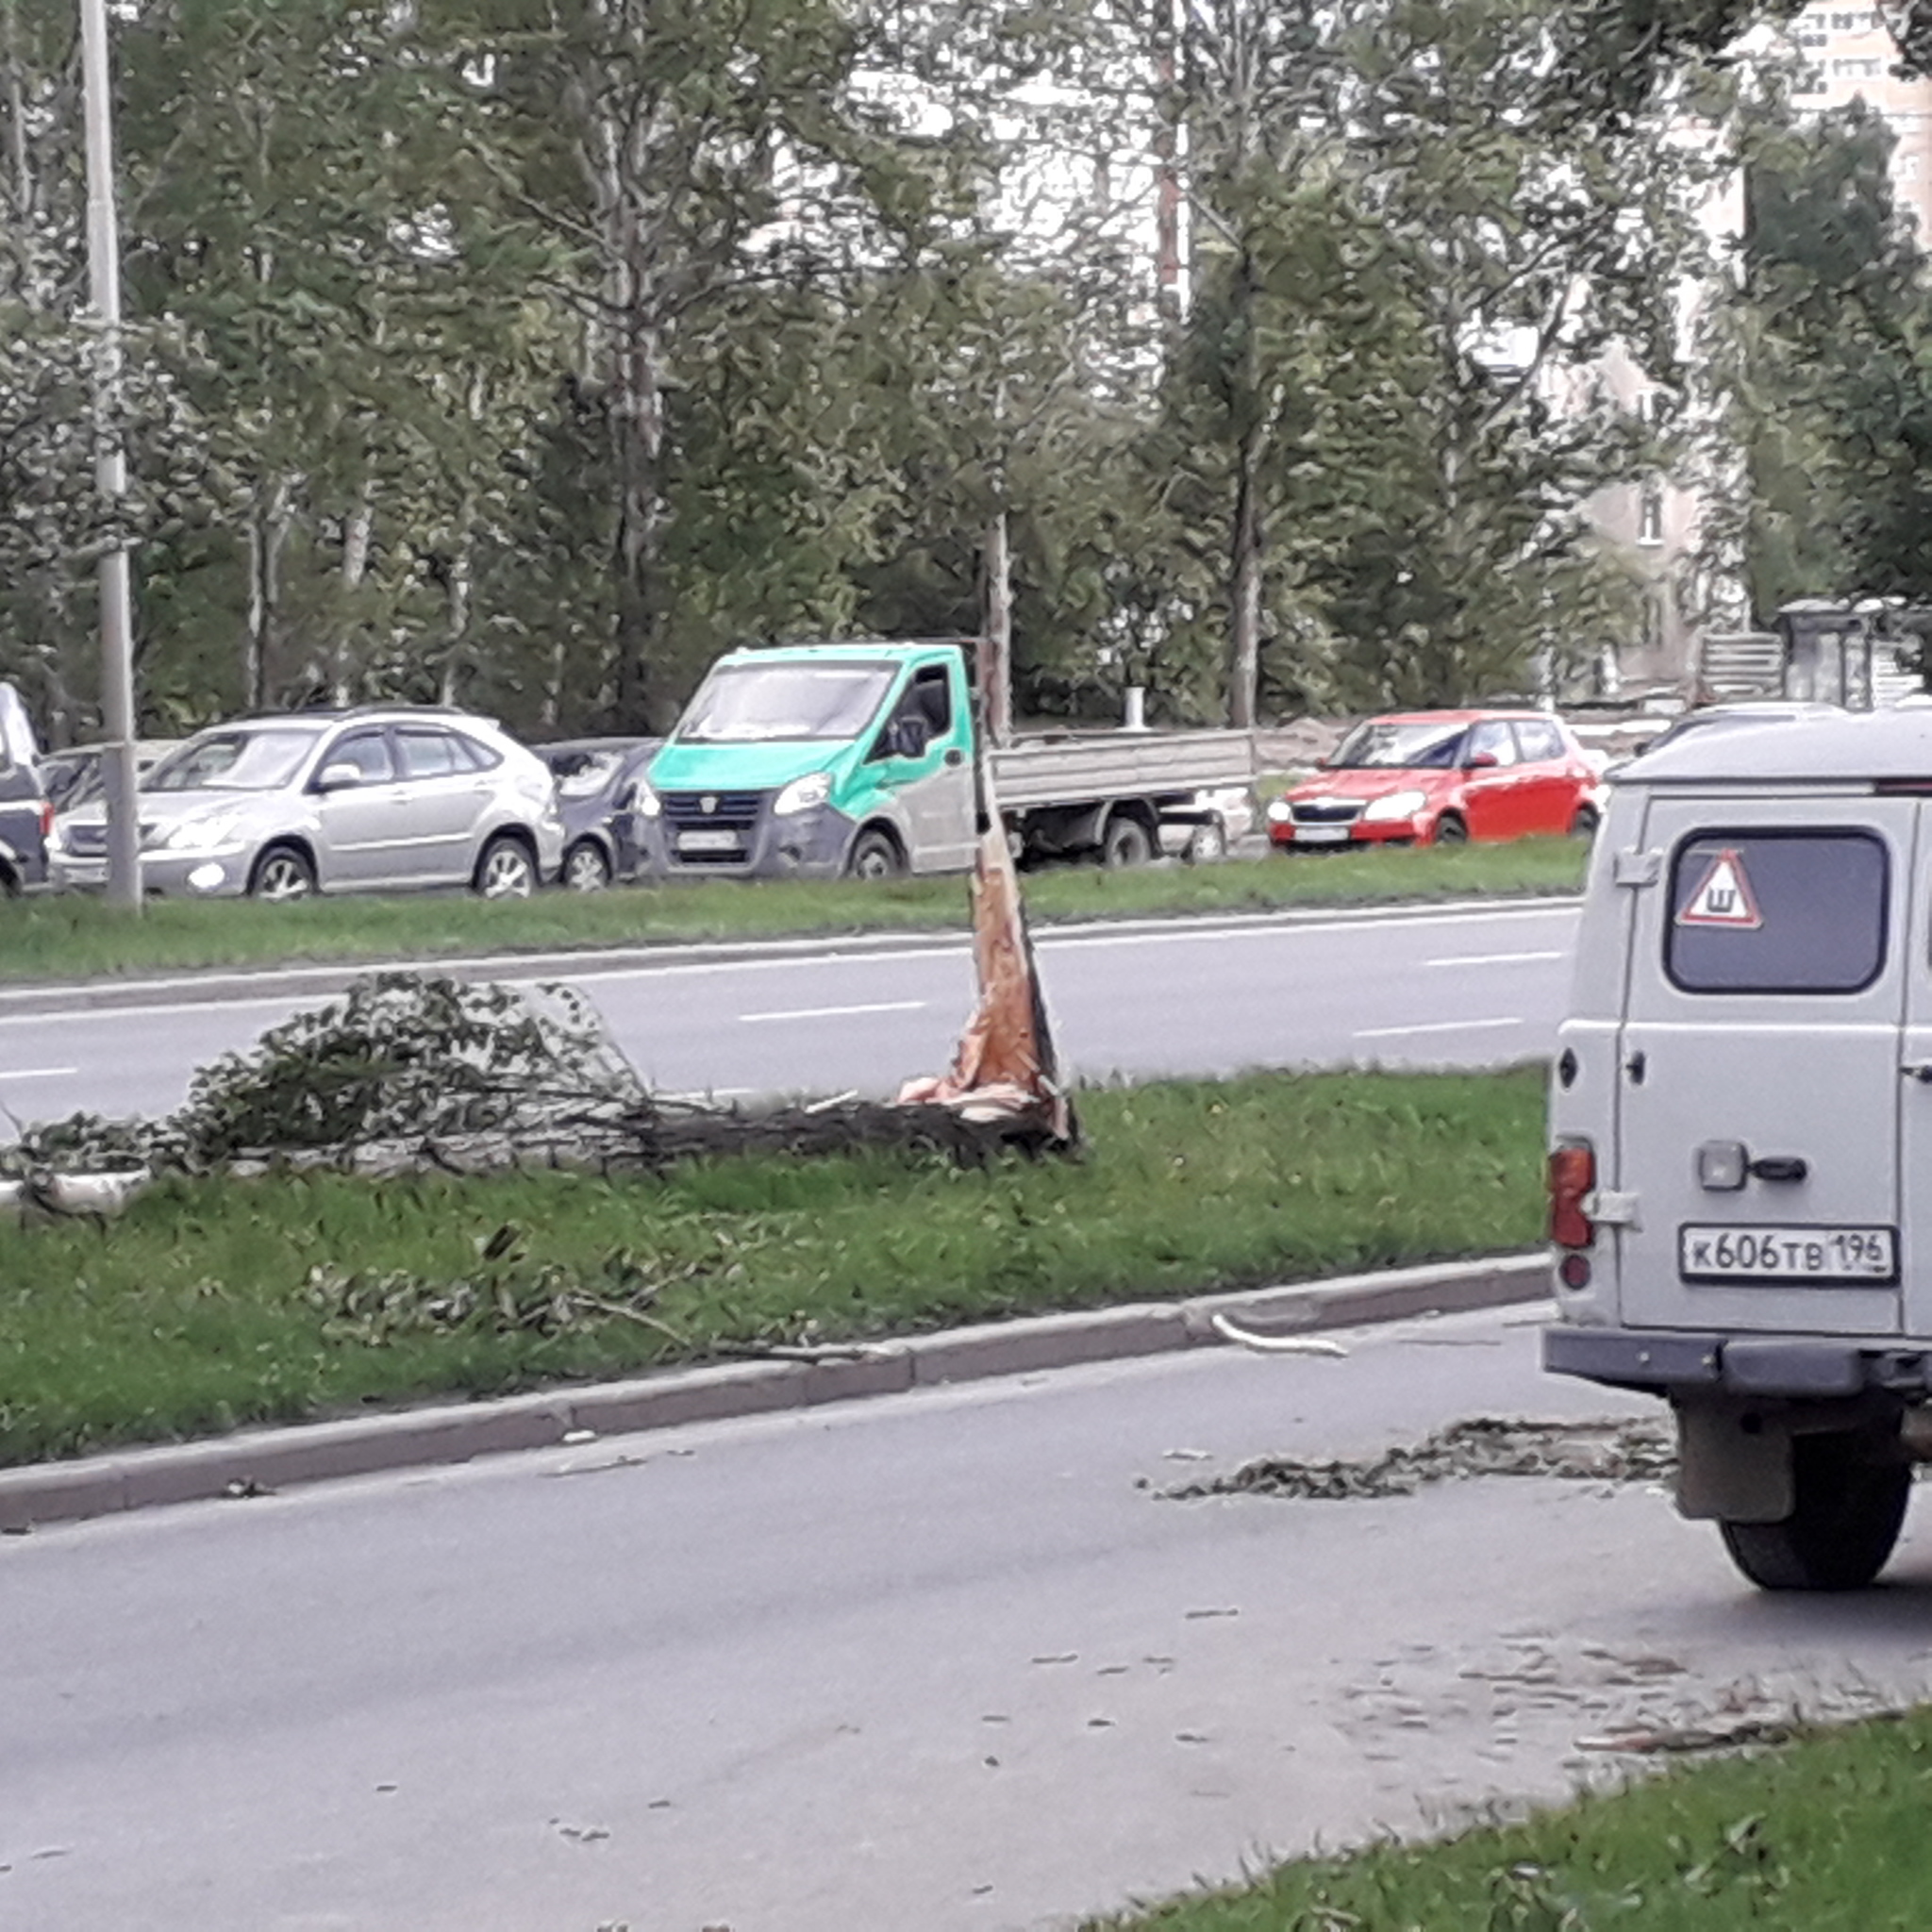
[[111, 463]]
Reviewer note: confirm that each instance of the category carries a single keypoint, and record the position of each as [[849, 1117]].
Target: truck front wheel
[[876, 854], [1849, 1494]]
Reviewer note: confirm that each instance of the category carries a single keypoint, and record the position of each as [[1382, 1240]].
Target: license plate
[[1321, 835], [1823, 1255], [708, 842]]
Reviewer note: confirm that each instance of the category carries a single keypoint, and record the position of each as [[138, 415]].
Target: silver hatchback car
[[382, 797]]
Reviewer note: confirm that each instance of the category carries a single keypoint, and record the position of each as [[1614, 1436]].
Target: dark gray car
[[596, 783]]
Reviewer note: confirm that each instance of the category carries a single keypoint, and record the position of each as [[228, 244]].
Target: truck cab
[[1740, 1115], [816, 761]]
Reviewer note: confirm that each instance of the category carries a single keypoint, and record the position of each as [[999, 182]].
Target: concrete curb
[[254, 1461]]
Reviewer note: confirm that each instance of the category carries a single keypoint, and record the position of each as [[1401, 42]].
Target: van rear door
[[1757, 1171]]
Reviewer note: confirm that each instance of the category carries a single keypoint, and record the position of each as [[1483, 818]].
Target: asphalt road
[[950, 1661], [1453, 988]]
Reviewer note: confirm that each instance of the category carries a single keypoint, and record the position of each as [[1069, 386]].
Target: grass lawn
[[218, 1302], [73, 936], [1825, 1834]]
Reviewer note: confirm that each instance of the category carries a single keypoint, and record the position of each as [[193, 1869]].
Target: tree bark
[[1247, 540], [268, 531], [996, 631]]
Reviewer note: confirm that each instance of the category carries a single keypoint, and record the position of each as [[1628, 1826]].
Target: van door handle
[[1919, 1071], [1778, 1167]]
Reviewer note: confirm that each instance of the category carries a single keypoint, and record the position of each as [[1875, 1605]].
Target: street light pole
[[111, 463]]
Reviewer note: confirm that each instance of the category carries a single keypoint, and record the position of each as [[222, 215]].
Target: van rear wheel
[[1849, 1497]]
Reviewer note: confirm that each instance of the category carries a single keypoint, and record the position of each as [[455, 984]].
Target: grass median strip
[[215, 1302], [1823, 1831], [75, 936]]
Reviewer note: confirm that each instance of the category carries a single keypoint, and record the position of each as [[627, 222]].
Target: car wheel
[[282, 874], [1208, 843], [876, 854], [1125, 842], [1848, 1503], [1584, 825], [1450, 830], [585, 868], [506, 870]]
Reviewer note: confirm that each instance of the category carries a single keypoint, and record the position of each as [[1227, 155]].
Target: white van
[[1740, 1165]]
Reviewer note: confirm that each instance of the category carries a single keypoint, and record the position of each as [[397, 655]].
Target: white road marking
[[839, 1012], [1435, 1027], [38, 1073], [1493, 958]]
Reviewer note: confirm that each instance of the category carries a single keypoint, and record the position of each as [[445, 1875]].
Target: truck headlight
[[803, 794], [1397, 805]]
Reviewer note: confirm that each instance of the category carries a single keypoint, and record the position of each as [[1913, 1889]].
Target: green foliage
[[1825, 352], [1819, 1831], [493, 353]]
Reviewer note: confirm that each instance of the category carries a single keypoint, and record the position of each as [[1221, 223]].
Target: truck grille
[[711, 828]]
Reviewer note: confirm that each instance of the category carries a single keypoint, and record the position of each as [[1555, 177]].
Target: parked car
[[596, 786], [25, 816], [1441, 778], [73, 776], [1209, 826], [383, 796]]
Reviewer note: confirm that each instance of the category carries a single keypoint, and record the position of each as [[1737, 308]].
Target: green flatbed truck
[[832, 761]]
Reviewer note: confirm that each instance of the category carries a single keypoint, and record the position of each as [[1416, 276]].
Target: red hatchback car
[[1440, 777]]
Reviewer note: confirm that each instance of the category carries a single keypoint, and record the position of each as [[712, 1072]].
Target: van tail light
[[46, 817], [1573, 1180]]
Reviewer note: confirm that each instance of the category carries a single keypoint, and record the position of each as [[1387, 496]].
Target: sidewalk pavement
[[257, 1460]]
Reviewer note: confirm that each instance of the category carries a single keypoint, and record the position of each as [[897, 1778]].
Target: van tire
[[1849, 1505], [876, 854], [1450, 830]]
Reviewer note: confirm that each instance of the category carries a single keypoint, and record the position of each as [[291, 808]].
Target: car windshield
[[1399, 743], [752, 704], [260, 760]]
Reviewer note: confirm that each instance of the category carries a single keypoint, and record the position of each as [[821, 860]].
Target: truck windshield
[[1398, 744], [754, 703]]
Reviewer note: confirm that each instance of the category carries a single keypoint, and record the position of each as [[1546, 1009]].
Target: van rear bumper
[[1800, 1366]]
